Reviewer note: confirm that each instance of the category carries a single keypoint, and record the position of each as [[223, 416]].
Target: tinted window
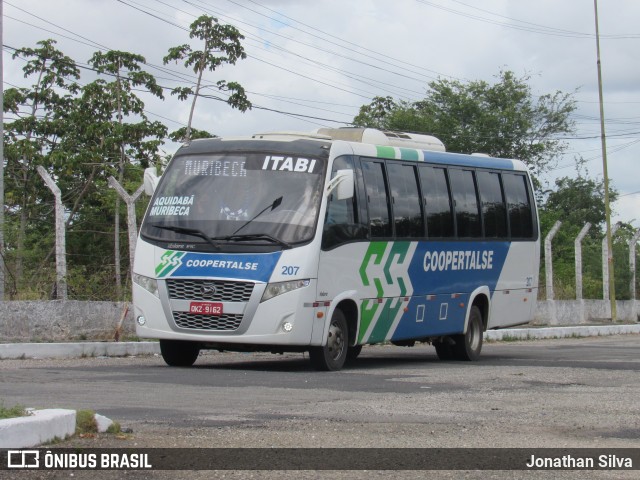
[[224, 193], [377, 198], [341, 223], [518, 205], [494, 213], [407, 211], [465, 203], [437, 203]]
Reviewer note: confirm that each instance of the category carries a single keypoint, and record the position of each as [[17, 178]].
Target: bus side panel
[[410, 289], [443, 275], [514, 299]]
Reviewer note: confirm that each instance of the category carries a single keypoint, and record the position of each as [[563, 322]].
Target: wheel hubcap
[[335, 342], [474, 336]]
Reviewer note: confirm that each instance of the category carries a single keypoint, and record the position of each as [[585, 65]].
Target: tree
[[181, 133], [34, 133], [575, 201], [502, 120], [578, 200], [377, 114], [221, 46], [139, 139], [81, 136]]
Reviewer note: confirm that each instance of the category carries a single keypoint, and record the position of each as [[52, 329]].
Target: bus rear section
[[325, 244]]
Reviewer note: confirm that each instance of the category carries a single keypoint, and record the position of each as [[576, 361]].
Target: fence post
[[132, 228], [548, 270], [578, 248], [632, 268], [605, 263], [548, 260], [61, 259]]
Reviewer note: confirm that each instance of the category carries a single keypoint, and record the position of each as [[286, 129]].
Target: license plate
[[205, 308]]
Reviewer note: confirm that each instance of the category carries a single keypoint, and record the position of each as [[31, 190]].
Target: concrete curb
[[561, 332], [43, 426], [13, 351], [40, 427]]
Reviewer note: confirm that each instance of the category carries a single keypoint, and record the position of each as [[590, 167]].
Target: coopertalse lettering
[[232, 265], [439, 261]]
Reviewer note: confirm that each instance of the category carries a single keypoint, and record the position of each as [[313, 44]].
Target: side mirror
[[150, 180], [343, 184]]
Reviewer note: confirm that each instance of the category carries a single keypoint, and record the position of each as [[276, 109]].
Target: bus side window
[[465, 203], [377, 199], [437, 202], [494, 214], [518, 205], [342, 224], [407, 207]]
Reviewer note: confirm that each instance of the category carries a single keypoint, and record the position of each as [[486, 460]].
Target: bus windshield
[[237, 197]]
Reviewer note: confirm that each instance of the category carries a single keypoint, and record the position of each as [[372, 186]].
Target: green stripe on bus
[[409, 154], [367, 314], [169, 262], [385, 321], [386, 152], [398, 254]]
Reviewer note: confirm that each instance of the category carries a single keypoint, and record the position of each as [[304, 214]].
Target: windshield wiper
[[212, 240], [273, 205], [255, 236], [189, 231]]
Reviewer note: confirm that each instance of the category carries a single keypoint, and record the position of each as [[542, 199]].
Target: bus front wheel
[[332, 355], [177, 353]]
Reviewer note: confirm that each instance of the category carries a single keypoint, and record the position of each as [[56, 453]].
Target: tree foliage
[[82, 134], [501, 119], [576, 201], [222, 45], [34, 132]]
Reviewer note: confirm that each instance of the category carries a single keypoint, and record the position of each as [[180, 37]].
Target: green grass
[[12, 412], [86, 422]]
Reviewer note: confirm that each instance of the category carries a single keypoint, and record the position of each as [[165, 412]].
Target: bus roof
[[445, 158], [362, 141]]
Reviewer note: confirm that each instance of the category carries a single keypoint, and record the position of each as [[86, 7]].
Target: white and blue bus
[[330, 241]]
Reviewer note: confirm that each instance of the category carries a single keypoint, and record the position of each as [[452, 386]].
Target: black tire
[[353, 352], [177, 353], [469, 345], [444, 349], [332, 355]]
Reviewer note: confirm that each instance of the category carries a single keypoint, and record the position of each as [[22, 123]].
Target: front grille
[[205, 322], [213, 290]]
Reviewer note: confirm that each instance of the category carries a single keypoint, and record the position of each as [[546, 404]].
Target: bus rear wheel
[[332, 355], [178, 353], [469, 344]]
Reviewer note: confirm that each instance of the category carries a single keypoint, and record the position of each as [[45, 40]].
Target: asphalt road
[[552, 393]]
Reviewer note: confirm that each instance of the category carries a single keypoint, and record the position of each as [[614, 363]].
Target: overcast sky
[[314, 63]]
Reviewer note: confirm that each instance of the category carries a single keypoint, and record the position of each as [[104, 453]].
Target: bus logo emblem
[[208, 290]]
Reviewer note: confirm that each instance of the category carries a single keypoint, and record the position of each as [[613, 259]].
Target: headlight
[[275, 289], [149, 284]]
